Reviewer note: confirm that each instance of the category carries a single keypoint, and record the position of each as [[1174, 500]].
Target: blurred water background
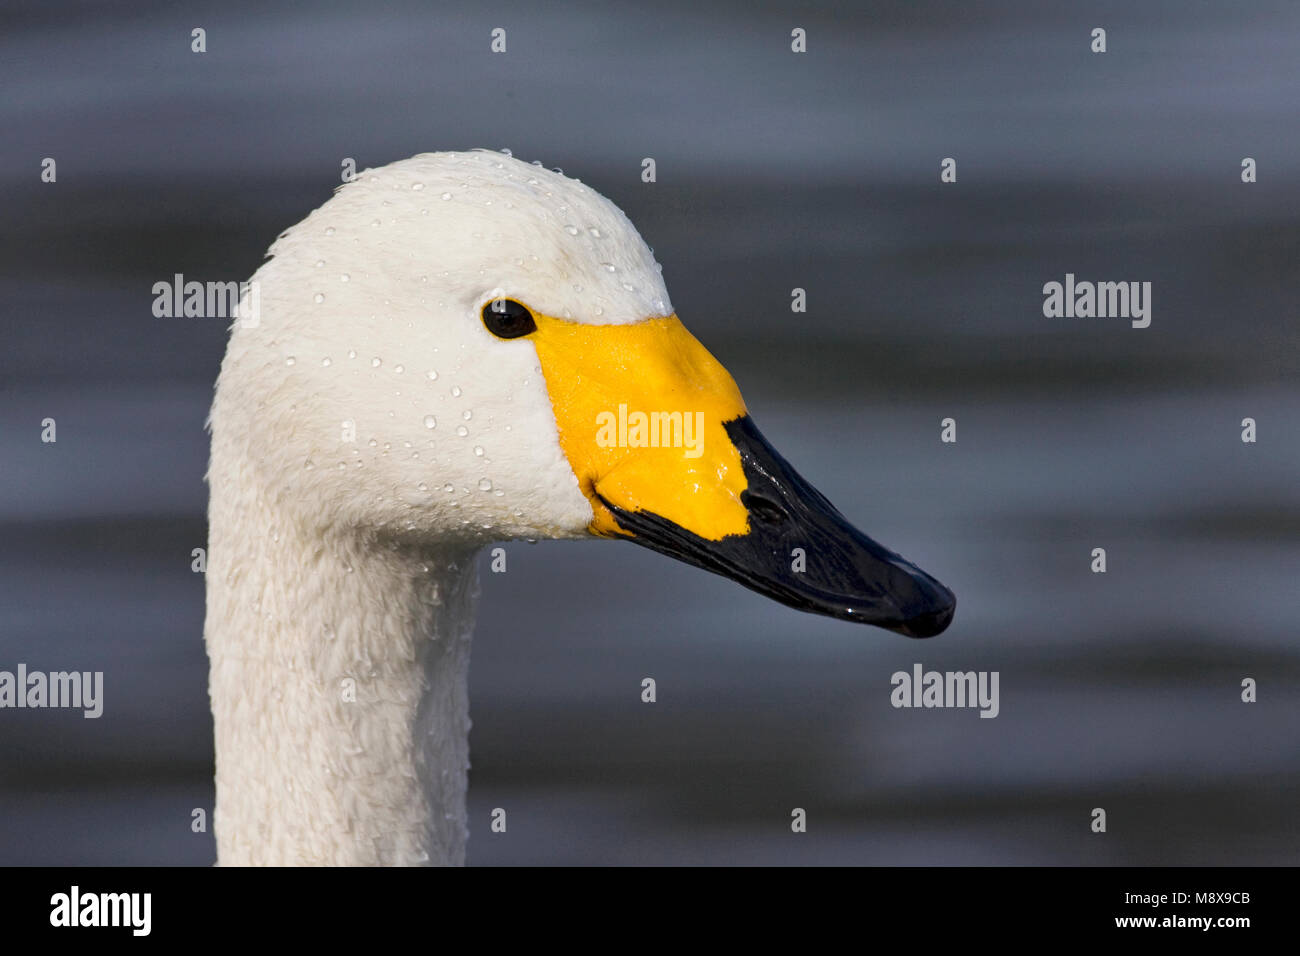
[[775, 171]]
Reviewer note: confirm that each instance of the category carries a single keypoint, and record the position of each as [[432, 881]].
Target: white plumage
[[381, 421], [368, 436]]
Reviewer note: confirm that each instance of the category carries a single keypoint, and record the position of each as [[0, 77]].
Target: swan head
[[465, 347]]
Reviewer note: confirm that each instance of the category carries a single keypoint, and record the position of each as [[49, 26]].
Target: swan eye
[[507, 319]]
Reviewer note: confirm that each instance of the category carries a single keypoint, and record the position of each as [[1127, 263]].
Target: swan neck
[[339, 684]]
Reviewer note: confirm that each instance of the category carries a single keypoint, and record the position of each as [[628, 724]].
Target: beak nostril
[[764, 509], [833, 568]]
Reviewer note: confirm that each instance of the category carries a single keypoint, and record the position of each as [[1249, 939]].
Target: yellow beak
[[640, 410], [664, 450]]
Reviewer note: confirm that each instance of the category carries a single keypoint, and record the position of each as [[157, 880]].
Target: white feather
[[337, 563]]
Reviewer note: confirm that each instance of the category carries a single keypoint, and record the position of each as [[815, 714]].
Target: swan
[[455, 349]]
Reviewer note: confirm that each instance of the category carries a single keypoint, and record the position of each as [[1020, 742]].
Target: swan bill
[[663, 447], [640, 412], [842, 573]]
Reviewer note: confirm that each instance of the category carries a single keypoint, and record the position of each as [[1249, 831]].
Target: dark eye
[[507, 319]]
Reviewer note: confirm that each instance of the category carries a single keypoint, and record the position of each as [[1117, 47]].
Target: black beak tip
[[934, 620], [855, 579]]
